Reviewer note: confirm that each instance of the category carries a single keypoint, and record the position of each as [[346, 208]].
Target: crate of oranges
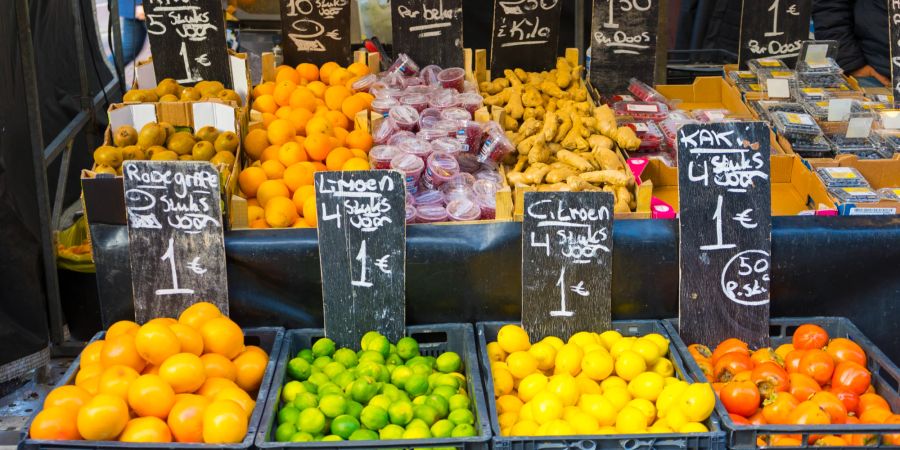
[[192, 382], [621, 388], [821, 383]]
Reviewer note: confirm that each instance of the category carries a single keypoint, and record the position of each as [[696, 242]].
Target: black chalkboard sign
[[566, 263], [724, 191], [187, 40], [362, 253], [894, 38], [429, 31], [315, 31], [175, 238], [773, 28], [525, 35], [624, 43]]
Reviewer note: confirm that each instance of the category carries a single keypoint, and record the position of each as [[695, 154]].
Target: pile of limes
[[593, 384], [383, 391]]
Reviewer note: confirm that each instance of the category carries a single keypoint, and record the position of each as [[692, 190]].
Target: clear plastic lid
[[495, 145], [411, 82], [488, 206], [383, 131], [406, 117], [794, 124], [410, 165], [819, 109], [420, 89], [841, 176], [404, 65], [452, 78], [429, 74], [764, 64], [429, 117], [742, 76], [444, 98], [815, 147], [411, 214], [363, 84], [645, 92], [431, 214], [711, 115], [417, 101], [487, 187], [470, 101], [812, 94], [417, 147], [380, 156], [446, 144], [468, 162], [891, 194], [429, 197], [817, 57], [430, 134], [456, 113], [463, 209], [439, 168], [400, 136], [856, 194], [642, 110], [383, 105]]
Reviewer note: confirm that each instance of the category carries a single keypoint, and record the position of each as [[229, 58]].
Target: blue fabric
[[134, 32], [126, 8], [861, 29]]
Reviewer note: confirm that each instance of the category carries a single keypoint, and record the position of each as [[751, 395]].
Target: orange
[[252, 202], [359, 153], [337, 157], [162, 321], [150, 395], [88, 377], [301, 194], [237, 395], [55, 423], [191, 341], [319, 124], [184, 372], [186, 418], [251, 179], [150, 370], [91, 352], [255, 142], [198, 314], [115, 380], [267, 119], [214, 385], [221, 335], [309, 211], [358, 69], [359, 139], [339, 77], [257, 349], [251, 365], [270, 153], [283, 91], [335, 95], [340, 135], [353, 105], [146, 429], [326, 69], [303, 98], [283, 112], [267, 87], [338, 119], [356, 164], [218, 366], [269, 190], [287, 73], [280, 212], [318, 166], [317, 145], [280, 131], [299, 117], [291, 153], [224, 422], [102, 418], [308, 72], [254, 213], [300, 223], [121, 327], [259, 223], [68, 396], [122, 350], [272, 168], [265, 104], [317, 88], [297, 175], [155, 342]]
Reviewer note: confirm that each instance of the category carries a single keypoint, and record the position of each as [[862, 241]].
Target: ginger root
[[514, 106], [574, 160], [500, 98], [532, 98], [614, 177]]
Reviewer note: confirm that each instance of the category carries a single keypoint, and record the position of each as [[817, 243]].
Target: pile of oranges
[[185, 380], [307, 126]]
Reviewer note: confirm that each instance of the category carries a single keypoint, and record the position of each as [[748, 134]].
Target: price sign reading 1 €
[[362, 253], [566, 262]]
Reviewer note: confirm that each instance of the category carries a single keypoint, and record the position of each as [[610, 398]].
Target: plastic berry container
[[400, 136], [488, 205], [439, 168], [819, 109], [376, 88], [383, 105], [468, 132], [747, 88], [429, 117], [854, 194], [491, 176], [443, 98], [429, 197], [765, 64], [841, 177], [650, 135], [495, 145], [406, 117], [742, 77], [811, 94], [463, 209], [891, 194], [654, 111], [447, 145], [468, 163], [404, 65], [418, 101], [412, 82], [458, 187], [470, 101], [622, 98], [429, 74], [711, 115], [456, 113], [430, 134], [363, 84], [864, 147], [410, 214], [384, 131], [890, 140], [645, 92], [816, 147], [380, 156], [417, 147], [411, 167], [431, 214], [452, 78], [795, 124]]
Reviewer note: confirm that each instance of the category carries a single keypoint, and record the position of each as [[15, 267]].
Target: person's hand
[[868, 71], [139, 12]]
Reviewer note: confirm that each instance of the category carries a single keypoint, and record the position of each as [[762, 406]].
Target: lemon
[[507, 419], [647, 385], [333, 405], [587, 385], [544, 354], [521, 364], [525, 412], [531, 385], [598, 407], [696, 402], [442, 428], [400, 413], [503, 381], [618, 396], [693, 427], [568, 360], [610, 337], [546, 407], [664, 367], [582, 339], [629, 365], [513, 338], [495, 352], [647, 349], [676, 419], [554, 342], [565, 387], [631, 420], [613, 382], [524, 428], [646, 407], [660, 427], [620, 346], [668, 396], [556, 428], [391, 431], [582, 422], [660, 342], [597, 365], [607, 430]]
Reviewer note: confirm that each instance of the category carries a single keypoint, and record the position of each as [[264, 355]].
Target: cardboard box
[[145, 77], [880, 173]]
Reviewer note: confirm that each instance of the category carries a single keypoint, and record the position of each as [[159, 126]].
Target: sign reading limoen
[[525, 35], [362, 253], [778, 31], [187, 40], [894, 37], [429, 31], [726, 232], [175, 238], [315, 31], [623, 36], [566, 263]]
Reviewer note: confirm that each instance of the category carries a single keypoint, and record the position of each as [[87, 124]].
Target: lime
[[346, 357], [298, 369], [301, 436], [417, 433], [323, 347], [463, 430], [374, 370], [421, 368], [305, 401], [459, 401], [306, 354], [440, 404], [446, 379], [448, 362], [426, 413], [391, 431], [369, 355], [311, 421], [442, 428], [379, 344], [364, 435], [284, 432], [290, 390], [401, 413], [432, 378], [330, 388], [321, 362], [420, 400], [400, 375], [319, 379], [343, 379], [354, 408], [419, 360], [310, 387], [407, 348], [416, 385], [394, 360], [390, 391], [366, 338], [382, 401], [331, 438], [462, 416], [332, 405], [445, 391], [344, 425], [417, 423], [333, 368], [288, 414], [373, 417], [363, 389]]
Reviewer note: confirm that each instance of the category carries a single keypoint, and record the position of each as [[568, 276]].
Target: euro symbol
[[793, 10], [195, 266], [203, 60], [382, 263], [745, 221], [580, 290]]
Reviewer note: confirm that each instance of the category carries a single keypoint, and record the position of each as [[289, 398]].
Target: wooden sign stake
[[525, 35], [429, 31], [625, 43], [315, 32], [777, 31]]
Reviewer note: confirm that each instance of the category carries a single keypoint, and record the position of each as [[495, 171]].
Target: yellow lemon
[[568, 360], [513, 338], [631, 420], [565, 387], [597, 364], [610, 337], [599, 407], [647, 385], [544, 353], [531, 385], [629, 365], [546, 407]]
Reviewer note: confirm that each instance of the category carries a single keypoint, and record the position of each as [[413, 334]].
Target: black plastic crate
[[433, 340], [885, 378], [714, 439], [269, 339]]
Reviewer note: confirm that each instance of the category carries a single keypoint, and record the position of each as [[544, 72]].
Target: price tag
[[778, 88], [315, 31], [859, 127], [839, 109], [624, 36], [890, 120], [187, 40], [429, 31], [774, 28], [566, 263], [362, 252], [816, 53], [525, 35], [725, 198], [175, 240]]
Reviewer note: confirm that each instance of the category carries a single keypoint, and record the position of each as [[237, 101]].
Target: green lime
[[442, 428], [427, 413], [448, 362], [417, 423], [331, 438], [332, 405], [382, 401], [305, 401], [463, 430], [290, 390], [344, 425], [298, 369], [284, 432], [400, 375], [311, 421], [374, 370], [319, 379], [333, 368], [306, 354], [302, 436], [417, 433], [461, 417], [401, 413], [420, 400], [309, 386], [343, 379], [364, 435], [459, 401], [354, 408], [369, 355], [445, 379], [444, 391], [407, 348], [321, 362], [440, 404], [432, 378], [288, 414], [363, 389], [416, 385], [421, 368], [330, 388], [394, 360], [391, 431], [419, 360], [346, 357], [323, 347], [373, 417], [379, 344], [366, 338], [392, 392]]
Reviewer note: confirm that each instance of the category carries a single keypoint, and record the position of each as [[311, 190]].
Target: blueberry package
[[765, 64], [841, 177], [795, 125], [819, 109], [811, 94], [892, 194], [742, 77], [817, 147], [858, 194], [890, 140], [821, 80]]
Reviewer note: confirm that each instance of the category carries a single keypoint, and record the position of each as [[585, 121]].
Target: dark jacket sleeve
[[833, 20]]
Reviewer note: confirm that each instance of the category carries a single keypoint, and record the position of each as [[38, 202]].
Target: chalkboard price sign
[[362, 253], [187, 39], [429, 31], [894, 37], [566, 263], [726, 232], [175, 238], [315, 31], [778, 31], [525, 35], [623, 43]]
